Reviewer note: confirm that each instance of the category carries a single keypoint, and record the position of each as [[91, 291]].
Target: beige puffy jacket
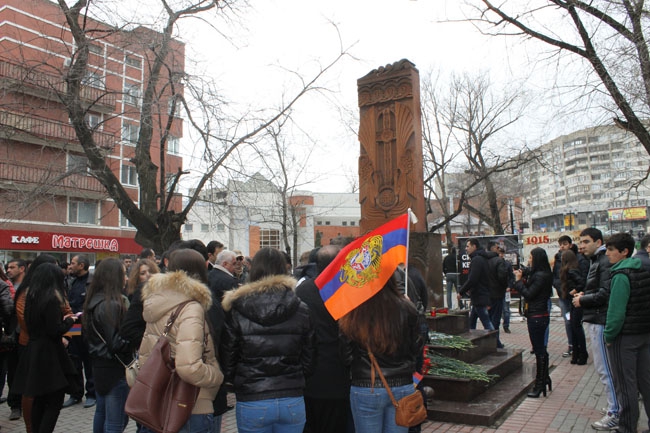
[[189, 337]]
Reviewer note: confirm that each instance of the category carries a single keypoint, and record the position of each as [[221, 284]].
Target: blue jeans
[[495, 312], [373, 411], [480, 313], [565, 307], [109, 409], [276, 415], [506, 314], [199, 423], [216, 424]]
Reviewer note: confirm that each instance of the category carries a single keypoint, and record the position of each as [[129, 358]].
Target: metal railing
[[47, 177], [46, 129], [34, 78]]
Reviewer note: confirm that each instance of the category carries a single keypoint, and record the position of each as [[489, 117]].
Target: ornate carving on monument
[[390, 162]]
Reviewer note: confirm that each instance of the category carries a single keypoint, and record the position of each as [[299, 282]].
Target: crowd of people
[[604, 296], [257, 328]]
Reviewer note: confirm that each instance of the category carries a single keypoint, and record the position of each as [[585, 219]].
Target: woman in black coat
[[536, 291], [572, 281], [45, 370], [267, 349]]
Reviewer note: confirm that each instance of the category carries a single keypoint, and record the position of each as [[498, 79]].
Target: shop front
[[26, 245]]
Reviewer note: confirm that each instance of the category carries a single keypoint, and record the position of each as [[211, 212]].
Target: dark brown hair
[[569, 261], [378, 323], [191, 262], [134, 277]]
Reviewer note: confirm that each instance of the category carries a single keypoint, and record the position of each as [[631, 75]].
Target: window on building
[[189, 227], [132, 94], [82, 212], [133, 61], [327, 223], [129, 175], [270, 238], [174, 110], [130, 133], [353, 223], [124, 222], [78, 164], [92, 120], [93, 79], [173, 145], [319, 223], [221, 227], [344, 223], [96, 49], [205, 228]]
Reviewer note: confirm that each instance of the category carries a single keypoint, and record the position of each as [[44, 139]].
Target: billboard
[[509, 242]]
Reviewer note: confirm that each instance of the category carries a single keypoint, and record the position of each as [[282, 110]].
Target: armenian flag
[[74, 331], [361, 269]]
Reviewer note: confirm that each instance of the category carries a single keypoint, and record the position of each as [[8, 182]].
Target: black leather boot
[[547, 377], [540, 382]]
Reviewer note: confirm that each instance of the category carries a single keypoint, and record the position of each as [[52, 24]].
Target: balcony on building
[[46, 132], [50, 179], [30, 81]]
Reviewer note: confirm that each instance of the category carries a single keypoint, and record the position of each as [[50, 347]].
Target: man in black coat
[[476, 285], [221, 278], [78, 349], [327, 391]]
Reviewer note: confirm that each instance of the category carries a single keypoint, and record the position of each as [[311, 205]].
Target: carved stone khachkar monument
[[390, 164]]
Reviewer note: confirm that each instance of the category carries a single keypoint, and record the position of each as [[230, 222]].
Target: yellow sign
[[628, 214]]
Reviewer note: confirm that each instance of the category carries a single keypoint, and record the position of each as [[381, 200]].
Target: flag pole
[[406, 262]]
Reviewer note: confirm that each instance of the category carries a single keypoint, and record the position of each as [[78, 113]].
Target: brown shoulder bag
[[159, 399], [410, 410]]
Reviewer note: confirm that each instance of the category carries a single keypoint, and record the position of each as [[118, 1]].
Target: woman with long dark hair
[[191, 344], [572, 282], [267, 350], [387, 326], [45, 371], [536, 291], [103, 310], [23, 334]]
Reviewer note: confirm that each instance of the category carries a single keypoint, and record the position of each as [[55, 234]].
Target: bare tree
[[471, 120], [154, 217], [609, 35]]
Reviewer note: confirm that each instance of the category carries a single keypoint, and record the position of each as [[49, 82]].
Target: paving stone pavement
[[571, 407]]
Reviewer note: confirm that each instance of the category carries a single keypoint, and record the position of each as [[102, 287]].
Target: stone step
[[485, 343], [457, 322], [489, 406], [501, 362]]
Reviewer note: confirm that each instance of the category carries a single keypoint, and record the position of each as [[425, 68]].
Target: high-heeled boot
[[540, 382], [547, 377]]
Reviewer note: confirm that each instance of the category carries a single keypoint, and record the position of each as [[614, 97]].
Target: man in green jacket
[[627, 330]]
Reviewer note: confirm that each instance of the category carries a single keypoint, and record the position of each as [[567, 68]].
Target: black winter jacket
[[596, 298], [497, 276], [268, 344], [536, 291], [398, 368], [477, 283], [331, 378], [574, 281], [108, 356]]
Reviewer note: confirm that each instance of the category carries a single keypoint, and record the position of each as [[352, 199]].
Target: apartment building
[[589, 178], [49, 201]]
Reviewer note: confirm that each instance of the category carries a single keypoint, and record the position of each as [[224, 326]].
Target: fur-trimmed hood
[[268, 301], [163, 292]]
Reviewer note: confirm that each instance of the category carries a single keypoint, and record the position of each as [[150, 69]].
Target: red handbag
[[159, 398]]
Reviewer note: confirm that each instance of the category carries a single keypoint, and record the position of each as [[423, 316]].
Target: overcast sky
[[299, 35]]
